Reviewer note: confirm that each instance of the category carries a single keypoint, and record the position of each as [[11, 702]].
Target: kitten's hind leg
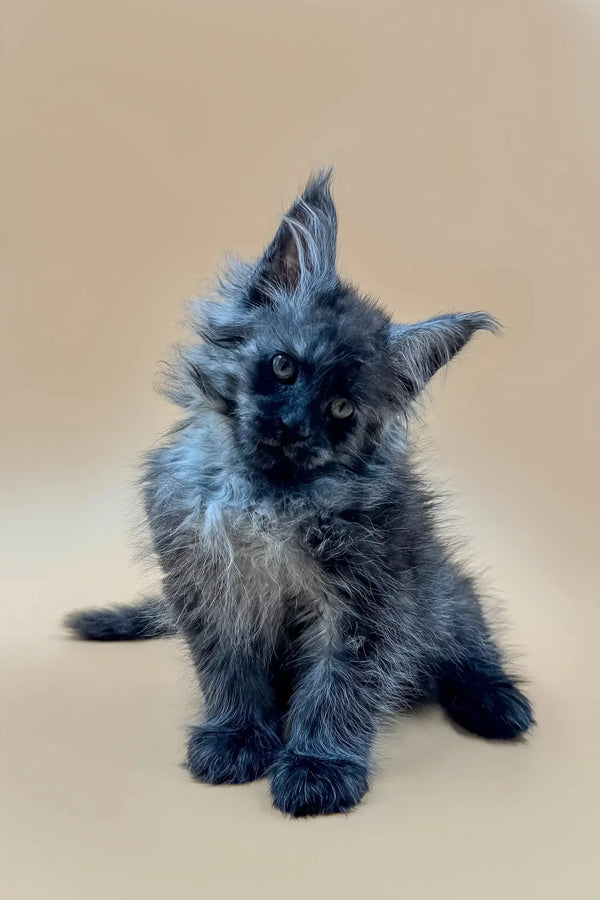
[[478, 695]]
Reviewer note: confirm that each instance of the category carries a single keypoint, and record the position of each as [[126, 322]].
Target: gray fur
[[313, 560]]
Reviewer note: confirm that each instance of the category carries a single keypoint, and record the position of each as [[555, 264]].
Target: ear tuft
[[304, 246], [419, 350]]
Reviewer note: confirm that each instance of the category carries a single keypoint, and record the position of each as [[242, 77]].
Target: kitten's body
[[300, 554], [265, 557]]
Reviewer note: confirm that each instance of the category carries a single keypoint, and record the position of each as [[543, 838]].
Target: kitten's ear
[[418, 351], [304, 246]]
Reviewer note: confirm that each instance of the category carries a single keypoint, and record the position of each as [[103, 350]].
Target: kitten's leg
[[240, 735], [482, 698], [333, 716]]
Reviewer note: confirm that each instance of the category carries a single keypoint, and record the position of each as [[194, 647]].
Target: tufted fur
[[300, 554]]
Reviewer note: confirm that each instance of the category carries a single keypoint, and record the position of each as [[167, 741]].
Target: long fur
[[300, 553]]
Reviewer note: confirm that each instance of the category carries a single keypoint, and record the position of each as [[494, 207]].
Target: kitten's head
[[308, 372]]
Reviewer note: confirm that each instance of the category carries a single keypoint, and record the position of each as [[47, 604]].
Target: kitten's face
[[311, 395], [307, 371]]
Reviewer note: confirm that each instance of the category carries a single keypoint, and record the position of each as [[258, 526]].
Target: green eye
[[340, 408], [285, 368]]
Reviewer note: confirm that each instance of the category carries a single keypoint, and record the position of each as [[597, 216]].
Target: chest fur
[[254, 571]]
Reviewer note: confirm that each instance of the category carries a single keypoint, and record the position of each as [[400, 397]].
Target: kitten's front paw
[[313, 786], [229, 755]]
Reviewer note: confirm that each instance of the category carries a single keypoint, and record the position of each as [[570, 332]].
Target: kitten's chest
[[268, 556], [257, 562], [248, 572]]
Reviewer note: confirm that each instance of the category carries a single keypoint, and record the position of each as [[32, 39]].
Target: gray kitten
[[299, 549]]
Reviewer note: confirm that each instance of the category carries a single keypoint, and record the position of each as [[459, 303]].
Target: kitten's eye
[[284, 368], [340, 408]]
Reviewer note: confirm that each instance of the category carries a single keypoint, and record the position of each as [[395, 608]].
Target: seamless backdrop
[[143, 139]]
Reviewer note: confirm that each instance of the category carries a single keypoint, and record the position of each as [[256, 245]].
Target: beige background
[[145, 137]]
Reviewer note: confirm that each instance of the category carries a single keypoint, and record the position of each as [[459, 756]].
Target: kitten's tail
[[148, 619]]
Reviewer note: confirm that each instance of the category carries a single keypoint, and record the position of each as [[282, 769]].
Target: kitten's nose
[[293, 432]]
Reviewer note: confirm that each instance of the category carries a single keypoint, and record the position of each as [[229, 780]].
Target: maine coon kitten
[[299, 550]]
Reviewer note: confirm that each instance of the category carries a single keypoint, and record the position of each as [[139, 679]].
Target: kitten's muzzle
[[289, 434]]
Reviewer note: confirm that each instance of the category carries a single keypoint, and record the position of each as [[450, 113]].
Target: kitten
[[299, 550]]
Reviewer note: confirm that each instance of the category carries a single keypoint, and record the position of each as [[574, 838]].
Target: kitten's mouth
[[300, 455], [291, 450], [294, 452]]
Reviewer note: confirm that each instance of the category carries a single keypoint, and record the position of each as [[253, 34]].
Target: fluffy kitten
[[300, 555]]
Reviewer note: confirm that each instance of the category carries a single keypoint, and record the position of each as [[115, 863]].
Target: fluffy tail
[[149, 619]]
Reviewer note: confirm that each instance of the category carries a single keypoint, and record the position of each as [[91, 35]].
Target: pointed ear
[[418, 351], [304, 246]]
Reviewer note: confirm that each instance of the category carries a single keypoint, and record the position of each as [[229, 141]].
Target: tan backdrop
[[145, 137]]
